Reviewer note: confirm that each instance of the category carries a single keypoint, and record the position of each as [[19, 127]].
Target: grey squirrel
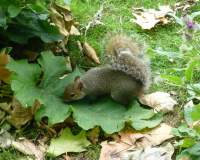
[[125, 76]]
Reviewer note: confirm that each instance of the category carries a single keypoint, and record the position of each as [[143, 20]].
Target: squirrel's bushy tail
[[126, 56]]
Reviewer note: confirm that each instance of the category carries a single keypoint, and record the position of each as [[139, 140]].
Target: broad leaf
[[189, 70], [111, 116], [67, 142], [196, 113], [141, 118], [105, 113], [14, 10], [173, 79], [32, 26], [28, 87]]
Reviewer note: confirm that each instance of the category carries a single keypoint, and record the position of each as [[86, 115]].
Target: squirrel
[[126, 75]]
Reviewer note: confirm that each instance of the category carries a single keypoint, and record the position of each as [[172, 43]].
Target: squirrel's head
[[74, 90]]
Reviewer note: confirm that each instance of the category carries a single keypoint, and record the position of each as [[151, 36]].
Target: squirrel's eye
[[72, 94]]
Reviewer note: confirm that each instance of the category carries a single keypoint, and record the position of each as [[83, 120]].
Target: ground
[[116, 18]]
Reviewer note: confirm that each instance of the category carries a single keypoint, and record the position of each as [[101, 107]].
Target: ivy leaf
[[111, 116], [67, 142], [49, 91]]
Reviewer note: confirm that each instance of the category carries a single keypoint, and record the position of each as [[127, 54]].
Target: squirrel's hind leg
[[120, 97]]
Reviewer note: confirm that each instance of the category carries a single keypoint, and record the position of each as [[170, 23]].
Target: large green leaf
[[14, 10], [112, 116], [67, 142], [32, 26], [28, 87], [105, 113], [141, 118]]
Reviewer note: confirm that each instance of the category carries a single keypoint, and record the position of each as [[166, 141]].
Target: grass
[[116, 18]]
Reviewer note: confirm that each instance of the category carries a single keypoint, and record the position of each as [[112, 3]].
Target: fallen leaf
[[66, 157], [67, 142], [74, 31], [148, 18], [90, 52], [4, 72], [22, 145], [160, 101], [135, 141], [163, 152], [28, 148], [93, 135], [19, 115]]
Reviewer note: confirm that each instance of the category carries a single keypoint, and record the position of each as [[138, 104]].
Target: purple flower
[[190, 24]]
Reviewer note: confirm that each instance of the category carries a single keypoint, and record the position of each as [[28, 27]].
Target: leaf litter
[[135, 145], [148, 18]]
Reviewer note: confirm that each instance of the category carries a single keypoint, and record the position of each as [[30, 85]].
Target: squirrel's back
[[121, 86], [125, 75], [126, 55]]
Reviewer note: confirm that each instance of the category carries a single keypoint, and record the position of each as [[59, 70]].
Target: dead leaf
[[90, 52], [66, 157], [160, 101], [19, 115], [74, 31], [4, 58], [62, 18], [22, 145], [148, 18], [135, 141], [163, 152], [28, 148], [184, 5], [93, 135], [4, 72]]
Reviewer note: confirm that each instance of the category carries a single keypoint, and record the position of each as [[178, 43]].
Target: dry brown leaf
[[62, 18], [28, 148], [184, 5], [148, 18], [160, 101], [93, 135], [135, 141], [19, 115], [90, 52], [66, 157], [23, 145], [4, 72], [4, 58], [74, 31], [163, 152]]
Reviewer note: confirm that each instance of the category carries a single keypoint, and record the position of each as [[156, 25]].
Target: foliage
[[67, 142], [22, 20], [42, 82], [190, 136], [99, 114]]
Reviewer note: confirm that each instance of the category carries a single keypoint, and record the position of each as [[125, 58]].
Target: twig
[[96, 20]]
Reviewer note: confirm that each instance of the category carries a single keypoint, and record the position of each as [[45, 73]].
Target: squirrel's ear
[[78, 83]]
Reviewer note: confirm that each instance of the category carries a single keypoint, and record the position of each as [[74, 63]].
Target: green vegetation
[[174, 62]]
